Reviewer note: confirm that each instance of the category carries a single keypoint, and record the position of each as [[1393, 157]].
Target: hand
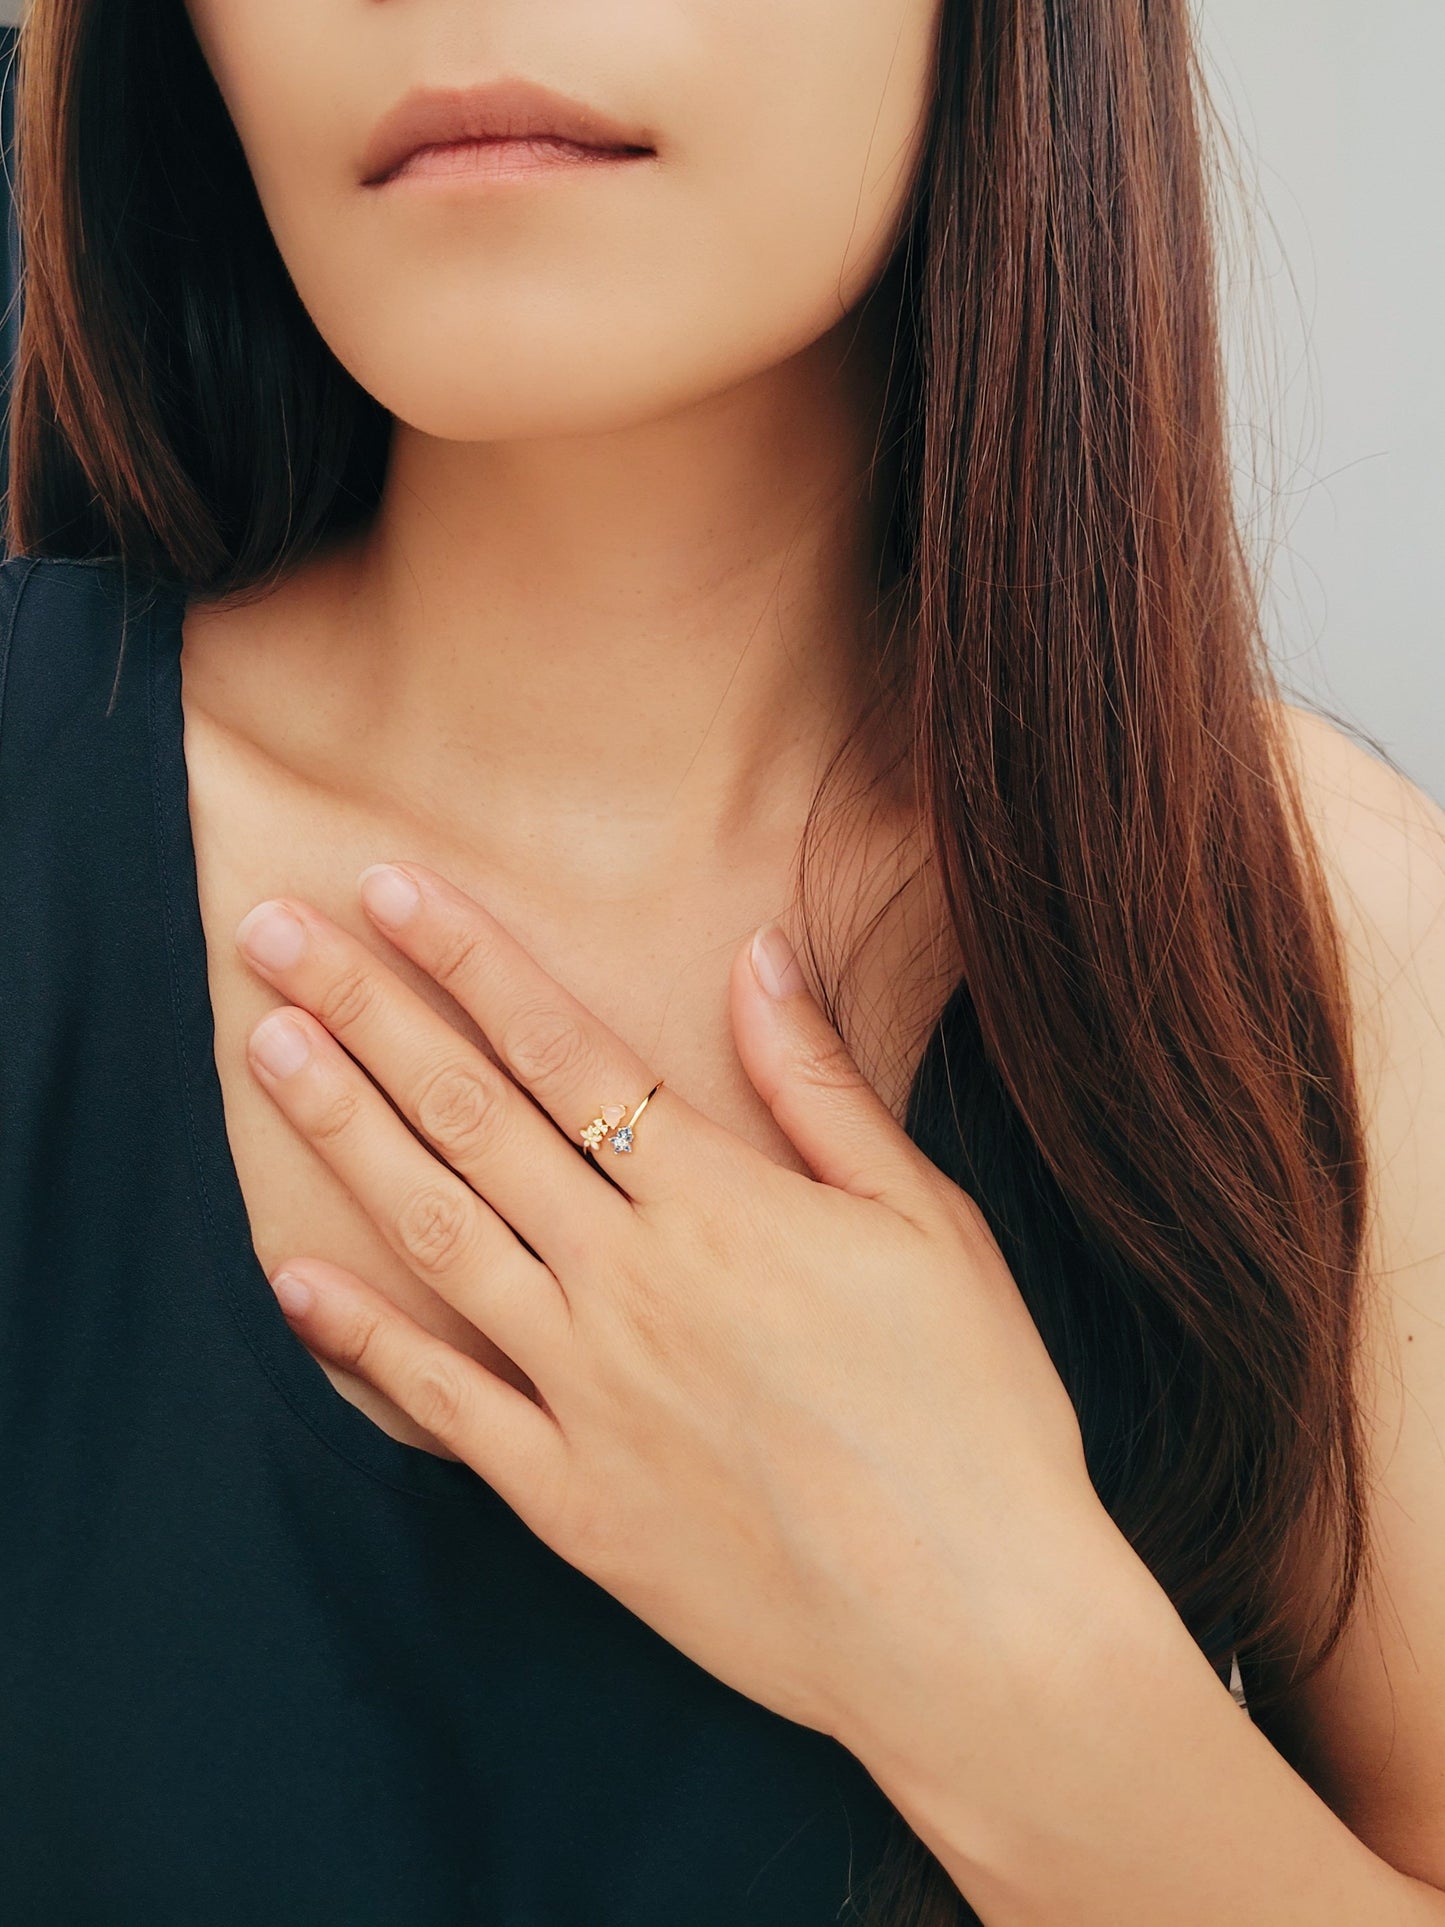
[[803, 1425]]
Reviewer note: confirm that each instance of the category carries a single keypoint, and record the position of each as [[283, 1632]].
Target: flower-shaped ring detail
[[608, 1126]]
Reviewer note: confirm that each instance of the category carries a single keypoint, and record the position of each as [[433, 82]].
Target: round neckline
[[292, 1370]]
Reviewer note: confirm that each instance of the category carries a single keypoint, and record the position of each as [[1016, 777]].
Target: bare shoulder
[[1381, 835], [1369, 1731]]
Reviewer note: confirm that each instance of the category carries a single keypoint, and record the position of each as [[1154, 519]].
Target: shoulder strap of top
[[76, 810], [73, 687], [68, 660]]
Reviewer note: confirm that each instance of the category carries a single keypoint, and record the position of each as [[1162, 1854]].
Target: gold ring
[[608, 1124]]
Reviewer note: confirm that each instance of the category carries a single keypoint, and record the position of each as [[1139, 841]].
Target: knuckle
[[712, 1228], [335, 1116], [360, 1345], [434, 1226], [459, 1108], [546, 1045], [458, 956], [347, 998], [827, 1064], [650, 1312], [718, 1235], [436, 1394]]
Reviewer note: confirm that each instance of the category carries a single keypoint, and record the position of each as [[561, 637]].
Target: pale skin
[[773, 1384]]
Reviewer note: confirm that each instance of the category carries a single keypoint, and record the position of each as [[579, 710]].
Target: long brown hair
[[1146, 1080]]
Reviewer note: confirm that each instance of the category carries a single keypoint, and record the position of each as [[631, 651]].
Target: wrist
[[977, 1749]]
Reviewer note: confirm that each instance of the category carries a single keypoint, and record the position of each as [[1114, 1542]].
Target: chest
[[655, 970]]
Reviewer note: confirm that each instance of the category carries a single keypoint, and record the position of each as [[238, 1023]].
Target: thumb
[[808, 1079]]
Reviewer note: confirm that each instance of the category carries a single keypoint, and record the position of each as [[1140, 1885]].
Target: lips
[[499, 111]]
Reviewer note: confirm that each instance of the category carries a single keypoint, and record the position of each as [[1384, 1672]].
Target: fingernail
[[271, 936], [775, 962], [280, 1045], [390, 895], [293, 1294]]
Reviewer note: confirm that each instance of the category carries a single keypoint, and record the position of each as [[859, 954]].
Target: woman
[[522, 1404]]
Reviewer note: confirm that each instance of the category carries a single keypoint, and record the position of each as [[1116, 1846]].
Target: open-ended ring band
[[608, 1124]]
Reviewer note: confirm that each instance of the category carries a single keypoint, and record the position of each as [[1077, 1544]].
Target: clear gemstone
[[622, 1140]]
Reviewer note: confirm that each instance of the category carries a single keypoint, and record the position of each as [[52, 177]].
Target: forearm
[[1127, 1791]]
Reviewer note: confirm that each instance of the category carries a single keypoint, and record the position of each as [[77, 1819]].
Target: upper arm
[[1368, 1731]]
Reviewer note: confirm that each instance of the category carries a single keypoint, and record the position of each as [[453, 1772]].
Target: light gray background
[[1336, 341], [1336, 106]]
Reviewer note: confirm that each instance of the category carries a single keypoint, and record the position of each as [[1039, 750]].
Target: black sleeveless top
[[259, 1661]]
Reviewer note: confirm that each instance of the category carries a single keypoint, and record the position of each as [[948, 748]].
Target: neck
[[669, 625]]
